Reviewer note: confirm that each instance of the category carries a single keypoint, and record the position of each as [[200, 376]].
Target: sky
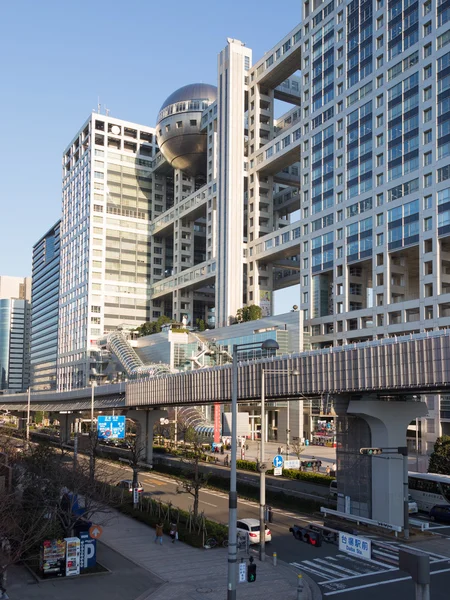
[[59, 59]]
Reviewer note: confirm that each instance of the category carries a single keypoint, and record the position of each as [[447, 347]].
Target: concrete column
[[388, 422], [65, 426], [145, 420]]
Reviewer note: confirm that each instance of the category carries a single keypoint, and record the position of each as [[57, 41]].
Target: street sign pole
[[262, 474]]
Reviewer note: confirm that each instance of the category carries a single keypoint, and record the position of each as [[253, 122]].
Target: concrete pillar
[[387, 422], [66, 422], [145, 420]]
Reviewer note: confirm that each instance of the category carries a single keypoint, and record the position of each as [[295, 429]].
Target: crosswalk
[[331, 569]]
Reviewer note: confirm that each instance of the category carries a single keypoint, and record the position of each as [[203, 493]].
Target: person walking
[[159, 533], [173, 532]]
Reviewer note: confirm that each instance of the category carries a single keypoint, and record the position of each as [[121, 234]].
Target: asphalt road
[[338, 574]]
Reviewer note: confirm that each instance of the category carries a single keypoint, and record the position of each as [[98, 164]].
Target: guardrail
[[422, 525], [357, 519]]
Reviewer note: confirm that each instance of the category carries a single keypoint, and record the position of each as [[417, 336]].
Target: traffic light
[[370, 451], [251, 572], [314, 538]]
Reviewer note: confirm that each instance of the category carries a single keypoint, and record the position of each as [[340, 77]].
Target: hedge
[[147, 514], [312, 477]]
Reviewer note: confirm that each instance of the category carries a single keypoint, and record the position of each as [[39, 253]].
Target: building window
[[428, 224], [427, 136], [427, 93], [427, 115]]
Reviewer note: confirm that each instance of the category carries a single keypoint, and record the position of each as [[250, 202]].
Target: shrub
[[247, 465]]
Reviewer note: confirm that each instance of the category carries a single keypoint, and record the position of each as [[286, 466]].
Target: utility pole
[[262, 472], [28, 417]]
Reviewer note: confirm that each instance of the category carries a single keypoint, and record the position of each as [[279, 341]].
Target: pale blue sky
[[58, 57]]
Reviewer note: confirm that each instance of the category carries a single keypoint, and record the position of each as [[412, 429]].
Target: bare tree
[[68, 496], [136, 450], [195, 480], [21, 531], [297, 447]]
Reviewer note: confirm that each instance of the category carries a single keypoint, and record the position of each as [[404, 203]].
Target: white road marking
[[208, 503], [303, 567], [368, 585], [368, 560], [360, 575], [429, 553], [336, 566], [322, 568]]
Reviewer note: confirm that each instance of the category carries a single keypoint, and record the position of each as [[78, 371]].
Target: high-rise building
[[105, 242], [15, 296], [44, 310], [325, 163]]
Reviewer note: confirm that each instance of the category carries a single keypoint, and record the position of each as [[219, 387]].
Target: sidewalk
[[139, 569], [197, 574], [123, 581]]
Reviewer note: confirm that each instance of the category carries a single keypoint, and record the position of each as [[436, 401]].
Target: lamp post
[[232, 501], [93, 384], [28, 417], [262, 464]]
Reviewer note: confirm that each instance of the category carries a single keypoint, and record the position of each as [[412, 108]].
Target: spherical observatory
[[178, 129]]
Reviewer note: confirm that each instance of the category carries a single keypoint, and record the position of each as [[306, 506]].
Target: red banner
[[217, 423]]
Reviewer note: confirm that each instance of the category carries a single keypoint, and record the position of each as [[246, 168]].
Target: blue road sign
[[278, 461], [109, 426]]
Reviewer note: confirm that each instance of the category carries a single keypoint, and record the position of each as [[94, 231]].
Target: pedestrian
[[173, 532], [159, 533], [328, 469]]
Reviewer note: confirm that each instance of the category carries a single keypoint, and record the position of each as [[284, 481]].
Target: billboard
[[111, 426]]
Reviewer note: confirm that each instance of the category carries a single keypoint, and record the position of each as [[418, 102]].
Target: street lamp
[[232, 502], [93, 384], [262, 465]]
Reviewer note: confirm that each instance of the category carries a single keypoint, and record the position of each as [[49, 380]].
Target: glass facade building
[[44, 314], [15, 316]]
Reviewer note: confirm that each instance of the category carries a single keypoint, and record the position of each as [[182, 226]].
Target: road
[[338, 574]]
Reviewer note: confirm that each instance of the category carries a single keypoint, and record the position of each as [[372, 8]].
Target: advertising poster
[[265, 302], [217, 423]]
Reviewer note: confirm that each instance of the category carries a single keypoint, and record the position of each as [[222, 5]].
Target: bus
[[429, 489]]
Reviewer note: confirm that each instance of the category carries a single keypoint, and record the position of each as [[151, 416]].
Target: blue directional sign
[[110, 426], [278, 461]]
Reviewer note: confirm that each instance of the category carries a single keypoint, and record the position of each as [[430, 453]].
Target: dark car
[[441, 512]]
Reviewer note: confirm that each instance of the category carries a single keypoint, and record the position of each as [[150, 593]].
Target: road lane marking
[[208, 503], [336, 566], [368, 585], [303, 567]]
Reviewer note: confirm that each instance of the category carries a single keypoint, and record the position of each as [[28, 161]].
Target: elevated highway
[[391, 367], [374, 387]]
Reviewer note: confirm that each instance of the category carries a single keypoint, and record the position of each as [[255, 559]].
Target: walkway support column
[[388, 422], [145, 420], [66, 421]]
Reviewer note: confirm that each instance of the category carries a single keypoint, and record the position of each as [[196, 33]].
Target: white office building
[[324, 163]]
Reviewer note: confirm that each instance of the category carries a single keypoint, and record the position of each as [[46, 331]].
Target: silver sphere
[[178, 129]]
